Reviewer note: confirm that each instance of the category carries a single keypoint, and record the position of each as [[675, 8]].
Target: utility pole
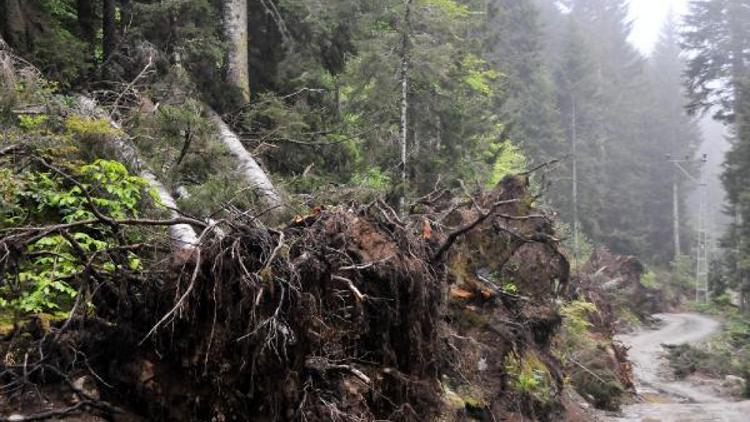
[[676, 214], [701, 247]]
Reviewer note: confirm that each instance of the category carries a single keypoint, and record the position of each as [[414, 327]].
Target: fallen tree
[[251, 171], [183, 236], [348, 313]]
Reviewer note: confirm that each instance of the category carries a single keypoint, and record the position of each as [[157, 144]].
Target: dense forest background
[[396, 96], [340, 189], [492, 86]]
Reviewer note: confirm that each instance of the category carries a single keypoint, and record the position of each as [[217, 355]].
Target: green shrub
[[530, 377], [45, 277], [88, 128], [649, 279], [586, 358], [683, 272], [373, 178], [575, 332]]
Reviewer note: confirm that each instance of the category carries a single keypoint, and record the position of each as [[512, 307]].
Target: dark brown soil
[[347, 314]]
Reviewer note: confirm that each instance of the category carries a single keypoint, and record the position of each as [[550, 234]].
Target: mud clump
[[613, 283]]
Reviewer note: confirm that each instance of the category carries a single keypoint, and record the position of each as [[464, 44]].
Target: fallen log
[[251, 171], [183, 237]]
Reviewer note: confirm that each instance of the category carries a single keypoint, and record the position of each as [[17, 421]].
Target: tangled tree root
[[348, 314]]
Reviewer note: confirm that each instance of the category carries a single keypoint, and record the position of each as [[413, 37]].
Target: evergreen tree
[[514, 44], [718, 40], [578, 105], [670, 132]]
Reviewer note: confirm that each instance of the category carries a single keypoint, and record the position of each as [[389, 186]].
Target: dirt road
[[667, 400]]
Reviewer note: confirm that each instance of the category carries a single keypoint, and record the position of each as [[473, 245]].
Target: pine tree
[[577, 96], [671, 132], [514, 44], [718, 40]]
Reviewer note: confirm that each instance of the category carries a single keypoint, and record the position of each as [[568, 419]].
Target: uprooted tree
[[349, 313]]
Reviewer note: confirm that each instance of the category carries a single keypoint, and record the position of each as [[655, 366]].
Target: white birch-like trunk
[[235, 28], [574, 147], [183, 237], [404, 100], [251, 171]]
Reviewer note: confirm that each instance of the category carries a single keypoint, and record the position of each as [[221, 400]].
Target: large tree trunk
[[126, 13], [109, 28], [86, 20], [16, 24], [404, 100], [249, 167], [235, 28], [87, 26]]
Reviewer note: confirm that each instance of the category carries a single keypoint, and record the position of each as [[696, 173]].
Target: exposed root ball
[[335, 318]]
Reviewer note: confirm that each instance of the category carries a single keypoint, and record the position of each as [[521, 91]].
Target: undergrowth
[[727, 353]]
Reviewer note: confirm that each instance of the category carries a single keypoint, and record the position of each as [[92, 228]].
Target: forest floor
[[664, 398]]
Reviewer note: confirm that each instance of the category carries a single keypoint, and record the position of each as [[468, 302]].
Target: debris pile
[[351, 313], [613, 283]]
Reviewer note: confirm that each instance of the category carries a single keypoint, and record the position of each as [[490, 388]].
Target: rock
[[87, 386], [734, 385]]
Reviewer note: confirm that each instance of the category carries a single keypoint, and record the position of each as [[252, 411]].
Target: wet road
[[667, 400]]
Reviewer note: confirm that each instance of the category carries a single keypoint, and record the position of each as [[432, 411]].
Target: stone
[[734, 385]]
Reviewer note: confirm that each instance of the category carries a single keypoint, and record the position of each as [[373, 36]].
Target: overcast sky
[[648, 16]]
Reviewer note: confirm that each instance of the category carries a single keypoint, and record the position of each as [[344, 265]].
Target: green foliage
[[52, 44], [373, 178], [686, 359], [578, 347], [649, 279], [510, 160], [451, 8], [683, 273], [91, 134], [529, 377], [29, 122], [510, 287], [479, 76], [61, 9], [85, 127], [44, 280], [215, 190], [576, 316], [575, 334], [727, 353], [121, 192], [193, 29]]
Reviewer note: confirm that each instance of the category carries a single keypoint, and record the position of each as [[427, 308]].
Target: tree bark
[[183, 238], [109, 28], [404, 99], [574, 150], [249, 167], [235, 28], [16, 23], [86, 20], [126, 11]]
